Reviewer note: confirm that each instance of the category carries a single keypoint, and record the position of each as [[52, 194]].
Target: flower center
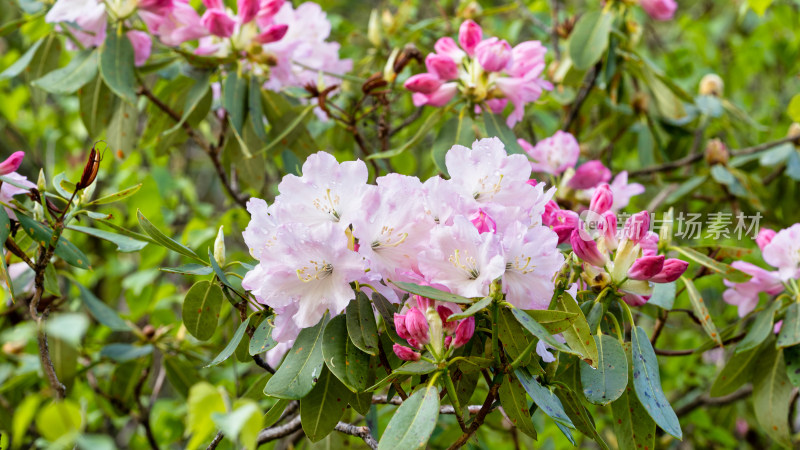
[[388, 238], [486, 189], [521, 264], [328, 204], [319, 271], [468, 264]]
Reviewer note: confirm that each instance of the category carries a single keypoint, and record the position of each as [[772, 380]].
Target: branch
[[44, 357], [588, 84], [478, 421], [216, 441], [705, 400], [362, 432], [263, 364], [444, 409], [270, 434], [662, 352]]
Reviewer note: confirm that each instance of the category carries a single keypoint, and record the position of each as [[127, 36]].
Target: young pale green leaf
[[496, 126], [81, 70], [116, 196], [22, 63], [760, 330], [124, 244], [608, 381], [578, 335], [322, 408], [647, 383], [700, 310], [663, 295], [413, 422], [544, 398], [181, 375], [262, 338], [232, 344], [589, 39], [728, 272], [361, 324], [456, 131], [477, 307], [189, 269], [790, 330], [96, 103], [539, 331], [117, 66], [125, 352], [579, 415], [737, 371], [165, 241], [514, 401], [432, 293], [234, 424], [59, 418], [772, 395], [65, 249], [102, 312], [201, 308], [302, 366], [634, 428], [344, 359], [792, 357], [553, 321]]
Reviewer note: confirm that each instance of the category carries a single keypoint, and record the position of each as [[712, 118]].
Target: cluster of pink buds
[[427, 326], [488, 72], [635, 264], [252, 26]]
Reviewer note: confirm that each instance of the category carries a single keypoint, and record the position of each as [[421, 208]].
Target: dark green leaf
[[539, 331], [790, 330], [544, 398], [164, 241], [22, 63], [125, 352], [234, 96], [514, 401], [275, 412], [298, 373], [124, 244], [496, 126], [232, 344], [361, 324], [478, 306], [513, 336], [202, 83], [589, 39], [181, 375], [413, 422], [431, 293], [415, 368], [5, 229], [102, 312], [792, 357], [553, 321], [81, 70], [344, 359], [201, 308], [262, 338], [65, 249], [121, 134], [737, 371], [96, 103], [760, 330], [578, 335], [772, 395], [456, 131], [579, 415], [256, 108], [322, 408], [117, 66], [634, 428], [647, 382], [606, 383]]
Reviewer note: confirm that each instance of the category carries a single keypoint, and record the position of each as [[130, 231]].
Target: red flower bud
[[405, 353]]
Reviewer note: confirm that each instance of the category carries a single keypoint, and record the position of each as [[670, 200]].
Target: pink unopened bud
[[423, 303], [464, 332], [270, 7], [444, 313], [659, 9], [247, 9], [493, 54], [532, 182], [156, 6], [442, 66], [764, 237], [637, 226], [564, 223], [438, 98], [218, 23], [469, 36], [609, 229], [214, 4], [273, 33], [447, 341], [405, 353], [400, 325], [12, 163], [551, 209], [587, 250], [424, 83], [646, 267], [635, 300], [483, 222], [602, 199], [589, 174], [448, 47], [142, 45], [417, 326], [672, 270]]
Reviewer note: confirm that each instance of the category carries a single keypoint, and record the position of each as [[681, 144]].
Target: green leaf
[[553, 321], [513, 336], [647, 383], [322, 408], [589, 39], [117, 66], [124, 244], [234, 96], [164, 241], [123, 380], [413, 422], [608, 381], [262, 338], [431, 293], [286, 130], [544, 398], [256, 108], [514, 401], [737, 371], [790, 330], [232, 344], [700, 310], [293, 126], [298, 373], [121, 134], [793, 110], [102, 312], [201, 308], [415, 368], [728, 272], [685, 188], [579, 415], [204, 400], [456, 131], [760, 7], [760, 330], [343, 357], [117, 196], [634, 428], [202, 83], [539, 331], [59, 419], [189, 269], [65, 360], [477, 307], [275, 412], [51, 281], [22, 63], [81, 70], [96, 104], [232, 423], [578, 335], [361, 324], [496, 126], [663, 295], [362, 402], [5, 229], [65, 249], [772, 395], [181, 375], [387, 310], [125, 352], [792, 357]]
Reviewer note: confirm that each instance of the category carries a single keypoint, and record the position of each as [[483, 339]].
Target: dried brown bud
[[716, 152], [711, 84], [91, 168], [374, 82], [409, 52], [640, 103], [564, 28], [149, 331]]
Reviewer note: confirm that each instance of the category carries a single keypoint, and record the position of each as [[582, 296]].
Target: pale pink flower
[[88, 15], [745, 295], [589, 175], [531, 260], [438, 98], [553, 155], [142, 44], [659, 9], [764, 237], [783, 252], [623, 191], [493, 54], [8, 169], [179, 25]]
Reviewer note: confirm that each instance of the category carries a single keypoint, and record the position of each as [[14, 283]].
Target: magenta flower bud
[[493, 54], [464, 331], [659, 9], [273, 33], [635, 300], [672, 270], [564, 223], [424, 83], [142, 44], [589, 174], [247, 9], [602, 199], [12, 163], [483, 222], [218, 23], [469, 36], [269, 8], [400, 325], [214, 4], [646, 267], [156, 6], [423, 303], [417, 326], [448, 47], [439, 98], [444, 313], [551, 210], [587, 250], [764, 237], [413, 342], [442, 66], [609, 228], [637, 226], [532, 183], [447, 341], [405, 353]]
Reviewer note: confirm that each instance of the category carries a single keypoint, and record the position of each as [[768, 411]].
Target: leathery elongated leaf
[[700, 310], [413, 422], [606, 383], [322, 408], [302, 366], [647, 384], [772, 395]]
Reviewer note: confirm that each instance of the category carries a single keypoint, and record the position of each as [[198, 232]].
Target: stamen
[[328, 204], [521, 264], [387, 240], [488, 190], [320, 271], [469, 265]]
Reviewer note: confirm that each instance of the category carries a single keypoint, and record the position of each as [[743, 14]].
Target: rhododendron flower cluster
[[487, 72], [329, 231], [780, 250]]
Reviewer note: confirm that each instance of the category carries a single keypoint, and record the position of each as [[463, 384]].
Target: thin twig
[[362, 432], [479, 418], [270, 434], [444, 409], [408, 120], [12, 247], [216, 441], [704, 400], [588, 83]]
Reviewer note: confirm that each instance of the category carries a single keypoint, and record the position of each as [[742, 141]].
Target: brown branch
[[214, 443], [408, 120], [144, 411], [385, 363], [12, 247], [362, 432], [44, 357], [479, 418], [588, 83], [270, 434], [705, 400], [397, 401]]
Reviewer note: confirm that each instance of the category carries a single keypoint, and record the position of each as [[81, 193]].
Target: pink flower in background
[[142, 44], [179, 25], [589, 174], [659, 9], [623, 191], [553, 155], [8, 169], [745, 295], [88, 15], [764, 237], [783, 252]]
